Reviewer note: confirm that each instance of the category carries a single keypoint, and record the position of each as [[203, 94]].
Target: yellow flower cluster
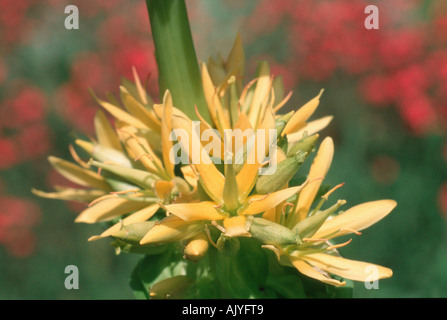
[[131, 181]]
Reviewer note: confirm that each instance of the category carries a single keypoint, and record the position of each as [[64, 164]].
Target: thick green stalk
[[176, 57]]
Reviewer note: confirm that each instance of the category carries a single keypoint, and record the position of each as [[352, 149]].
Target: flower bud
[[138, 177], [133, 233], [306, 228], [285, 170], [173, 288], [306, 144], [272, 233], [197, 247]]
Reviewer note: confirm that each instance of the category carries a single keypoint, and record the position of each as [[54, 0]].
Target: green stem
[[176, 57]]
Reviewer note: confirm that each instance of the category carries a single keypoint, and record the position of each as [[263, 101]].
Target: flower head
[[237, 182]]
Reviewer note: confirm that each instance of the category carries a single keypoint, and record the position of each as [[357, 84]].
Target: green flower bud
[[133, 233], [306, 228], [138, 177], [285, 170], [306, 144], [280, 123], [272, 233]]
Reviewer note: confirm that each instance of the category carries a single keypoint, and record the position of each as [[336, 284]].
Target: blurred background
[[386, 88]]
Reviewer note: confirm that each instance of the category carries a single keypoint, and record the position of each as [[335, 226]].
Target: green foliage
[[241, 269]]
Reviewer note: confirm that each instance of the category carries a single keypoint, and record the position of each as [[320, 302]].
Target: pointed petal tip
[[94, 238], [321, 93], [52, 158], [389, 204], [82, 219]]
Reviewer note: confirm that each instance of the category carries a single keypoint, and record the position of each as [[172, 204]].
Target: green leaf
[[244, 273], [154, 268], [287, 285], [176, 57]]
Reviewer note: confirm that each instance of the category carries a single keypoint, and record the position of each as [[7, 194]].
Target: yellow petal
[[300, 117], [356, 219], [310, 128], [236, 227], [349, 269], [261, 203], [318, 171], [139, 149], [136, 89], [211, 178], [247, 176], [105, 133], [170, 229], [71, 194], [242, 123], [213, 102], [109, 209], [195, 211], [78, 175], [166, 130], [309, 271], [142, 94], [189, 175], [260, 94], [139, 111], [163, 188], [139, 216], [120, 114]]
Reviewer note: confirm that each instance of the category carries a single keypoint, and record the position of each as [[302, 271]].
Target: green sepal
[[306, 144], [271, 233], [284, 172], [138, 177], [306, 228], [280, 122]]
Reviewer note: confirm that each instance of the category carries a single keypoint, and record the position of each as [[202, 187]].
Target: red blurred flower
[[25, 107], [9, 153], [34, 141], [403, 64], [18, 217], [419, 113], [24, 134], [378, 90]]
